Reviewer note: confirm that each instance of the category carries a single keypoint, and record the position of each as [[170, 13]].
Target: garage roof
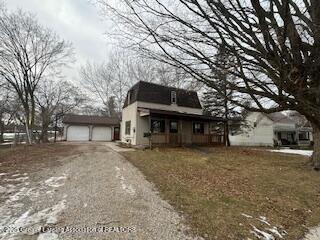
[[90, 120]]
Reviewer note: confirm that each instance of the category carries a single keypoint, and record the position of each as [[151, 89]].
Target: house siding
[[129, 113], [142, 127], [261, 135], [172, 107]]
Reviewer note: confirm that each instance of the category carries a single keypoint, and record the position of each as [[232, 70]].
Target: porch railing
[[179, 139]]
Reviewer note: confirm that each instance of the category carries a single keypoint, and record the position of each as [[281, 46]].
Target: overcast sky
[[77, 21]]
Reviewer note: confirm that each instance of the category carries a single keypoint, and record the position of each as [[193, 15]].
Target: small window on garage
[[128, 127], [198, 127], [157, 126]]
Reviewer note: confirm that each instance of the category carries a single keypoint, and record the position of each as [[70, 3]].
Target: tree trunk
[[1, 131], [316, 147], [44, 132], [227, 134]]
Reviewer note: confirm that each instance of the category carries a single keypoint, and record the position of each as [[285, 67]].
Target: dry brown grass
[[214, 189], [32, 158]]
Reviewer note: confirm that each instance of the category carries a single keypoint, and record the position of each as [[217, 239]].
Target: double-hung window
[[157, 126], [128, 127], [198, 127]]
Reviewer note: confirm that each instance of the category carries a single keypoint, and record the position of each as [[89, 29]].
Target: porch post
[[180, 132], [150, 137]]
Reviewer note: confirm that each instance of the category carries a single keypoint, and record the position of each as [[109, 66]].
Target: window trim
[[194, 128], [159, 120], [307, 134], [170, 130], [127, 128]]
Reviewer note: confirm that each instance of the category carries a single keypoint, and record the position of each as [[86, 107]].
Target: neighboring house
[[90, 128], [274, 129], [166, 116]]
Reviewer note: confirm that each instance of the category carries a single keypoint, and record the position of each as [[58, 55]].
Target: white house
[[273, 129], [163, 115], [90, 128]]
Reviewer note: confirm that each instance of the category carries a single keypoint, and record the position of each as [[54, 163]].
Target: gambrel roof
[[155, 93]]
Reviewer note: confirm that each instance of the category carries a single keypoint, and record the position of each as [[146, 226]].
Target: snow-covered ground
[[269, 232], [18, 218], [294, 151]]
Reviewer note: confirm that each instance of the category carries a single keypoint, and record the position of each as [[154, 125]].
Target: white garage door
[[101, 134], [78, 133]]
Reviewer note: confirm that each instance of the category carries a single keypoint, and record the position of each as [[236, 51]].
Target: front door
[[116, 134], [174, 137]]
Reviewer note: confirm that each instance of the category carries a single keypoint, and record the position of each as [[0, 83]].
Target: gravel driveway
[[93, 194]]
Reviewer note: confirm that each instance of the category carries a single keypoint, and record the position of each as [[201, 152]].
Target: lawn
[[34, 157], [236, 193]]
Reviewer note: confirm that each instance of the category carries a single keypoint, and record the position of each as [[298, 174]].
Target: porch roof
[[180, 115]]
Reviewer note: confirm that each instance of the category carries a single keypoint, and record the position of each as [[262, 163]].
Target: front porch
[[297, 137], [169, 128]]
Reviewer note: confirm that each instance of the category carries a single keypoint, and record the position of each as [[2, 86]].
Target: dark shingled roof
[[90, 120], [155, 93]]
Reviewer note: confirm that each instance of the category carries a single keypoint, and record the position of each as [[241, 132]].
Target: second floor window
[[173, 97]]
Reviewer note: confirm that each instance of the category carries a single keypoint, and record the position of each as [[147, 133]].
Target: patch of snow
[[295, 151], [269, 233], [16, 175], [14, 194], [3, 190], [313, 234], [246, 215], [48, 236], [128, 188], [264, 220], [56, 181], [27, 220], [261, 234], [275, 231], [16, 179], [56, 209], [3, 174]]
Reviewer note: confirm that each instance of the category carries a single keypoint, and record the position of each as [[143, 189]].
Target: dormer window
[[173, 97]]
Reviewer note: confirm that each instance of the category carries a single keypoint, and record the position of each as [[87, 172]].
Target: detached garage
[[90, 128]]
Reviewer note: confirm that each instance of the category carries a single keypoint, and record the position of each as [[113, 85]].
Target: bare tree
[[28, 52], [9, 108], [53, 98], [112, 79], [276, 45]]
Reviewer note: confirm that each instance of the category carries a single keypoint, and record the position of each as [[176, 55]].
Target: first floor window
[[128, 127], [198, 127], [157, 126], [304, 136], [173, 126]]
